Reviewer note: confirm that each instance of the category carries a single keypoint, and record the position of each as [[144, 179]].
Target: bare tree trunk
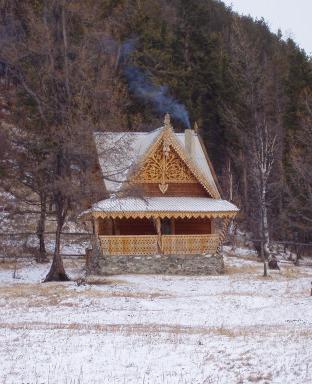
[[265, 268], [265, 226], [230, 180], [57, 270], [65, 42], [262, 251], [42, 255], [266, 232], [244, 179], [265, 239]]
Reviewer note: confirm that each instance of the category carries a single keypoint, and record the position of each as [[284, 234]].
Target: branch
[[16, 74]]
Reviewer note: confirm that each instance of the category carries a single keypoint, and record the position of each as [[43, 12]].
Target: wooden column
[[96, 226], [212, 226], [110, 226], [158, 229]]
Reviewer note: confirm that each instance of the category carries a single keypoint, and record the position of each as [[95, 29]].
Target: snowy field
[[235, 328]]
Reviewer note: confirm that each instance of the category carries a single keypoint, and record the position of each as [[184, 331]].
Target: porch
[[161, 225]]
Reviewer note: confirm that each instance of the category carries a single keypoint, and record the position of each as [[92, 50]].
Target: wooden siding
[[174, 189], [135, 227], [146, 226], [192, 226], [126, 227]]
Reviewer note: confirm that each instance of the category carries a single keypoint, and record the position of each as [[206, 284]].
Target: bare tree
[[264, 146], [258, 130], [57, 57], [26, 179]]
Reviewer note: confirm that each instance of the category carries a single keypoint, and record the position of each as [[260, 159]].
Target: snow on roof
[[160, 204], [199, 158], [118, 152]]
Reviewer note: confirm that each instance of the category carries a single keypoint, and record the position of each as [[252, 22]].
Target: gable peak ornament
[[165, 163], [167, 122]]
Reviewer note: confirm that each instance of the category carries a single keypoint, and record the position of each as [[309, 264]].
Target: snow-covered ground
[[235, 328]]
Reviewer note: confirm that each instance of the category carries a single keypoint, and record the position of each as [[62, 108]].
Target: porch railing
[[153, 245], [189, 244], [129, 245]]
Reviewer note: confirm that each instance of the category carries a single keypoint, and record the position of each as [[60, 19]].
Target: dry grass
[[242, 269], [8, 264], [292, 272], [56, 294], [250, 257], [100, 280], [226, 294], [34, 295], [169, 329], [126, 294], [255, 271]]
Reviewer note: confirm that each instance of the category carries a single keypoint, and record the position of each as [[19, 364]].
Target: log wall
[[192, 226], [135, 227], [175, 189], [146, 226]]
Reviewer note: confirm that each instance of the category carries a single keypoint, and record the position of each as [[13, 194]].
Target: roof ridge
[[131, 132]]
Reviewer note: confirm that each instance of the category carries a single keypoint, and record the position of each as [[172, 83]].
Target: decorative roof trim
[[168, 134], [162, 214]]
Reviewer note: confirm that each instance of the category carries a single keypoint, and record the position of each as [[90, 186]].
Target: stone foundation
[[159, 264]]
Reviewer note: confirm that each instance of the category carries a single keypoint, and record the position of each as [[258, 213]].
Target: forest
[[70, 68]]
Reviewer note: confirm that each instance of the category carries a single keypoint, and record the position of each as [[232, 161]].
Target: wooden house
[[164, 212]]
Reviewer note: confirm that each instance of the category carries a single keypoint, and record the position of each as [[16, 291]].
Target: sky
[[293, 17]]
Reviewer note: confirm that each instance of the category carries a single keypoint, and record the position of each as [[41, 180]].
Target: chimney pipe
[[189, 142]]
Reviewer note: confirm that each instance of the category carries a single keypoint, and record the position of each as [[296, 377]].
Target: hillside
[[121, 65]]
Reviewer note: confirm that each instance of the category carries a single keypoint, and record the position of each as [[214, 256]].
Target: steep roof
[[120, 152]]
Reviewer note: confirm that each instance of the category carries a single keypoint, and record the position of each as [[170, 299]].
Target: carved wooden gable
[[164, 166]]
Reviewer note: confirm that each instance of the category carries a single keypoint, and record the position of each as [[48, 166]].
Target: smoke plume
[[140, 83]]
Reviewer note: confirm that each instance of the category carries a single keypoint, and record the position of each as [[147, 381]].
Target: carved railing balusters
[[148, 244]]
